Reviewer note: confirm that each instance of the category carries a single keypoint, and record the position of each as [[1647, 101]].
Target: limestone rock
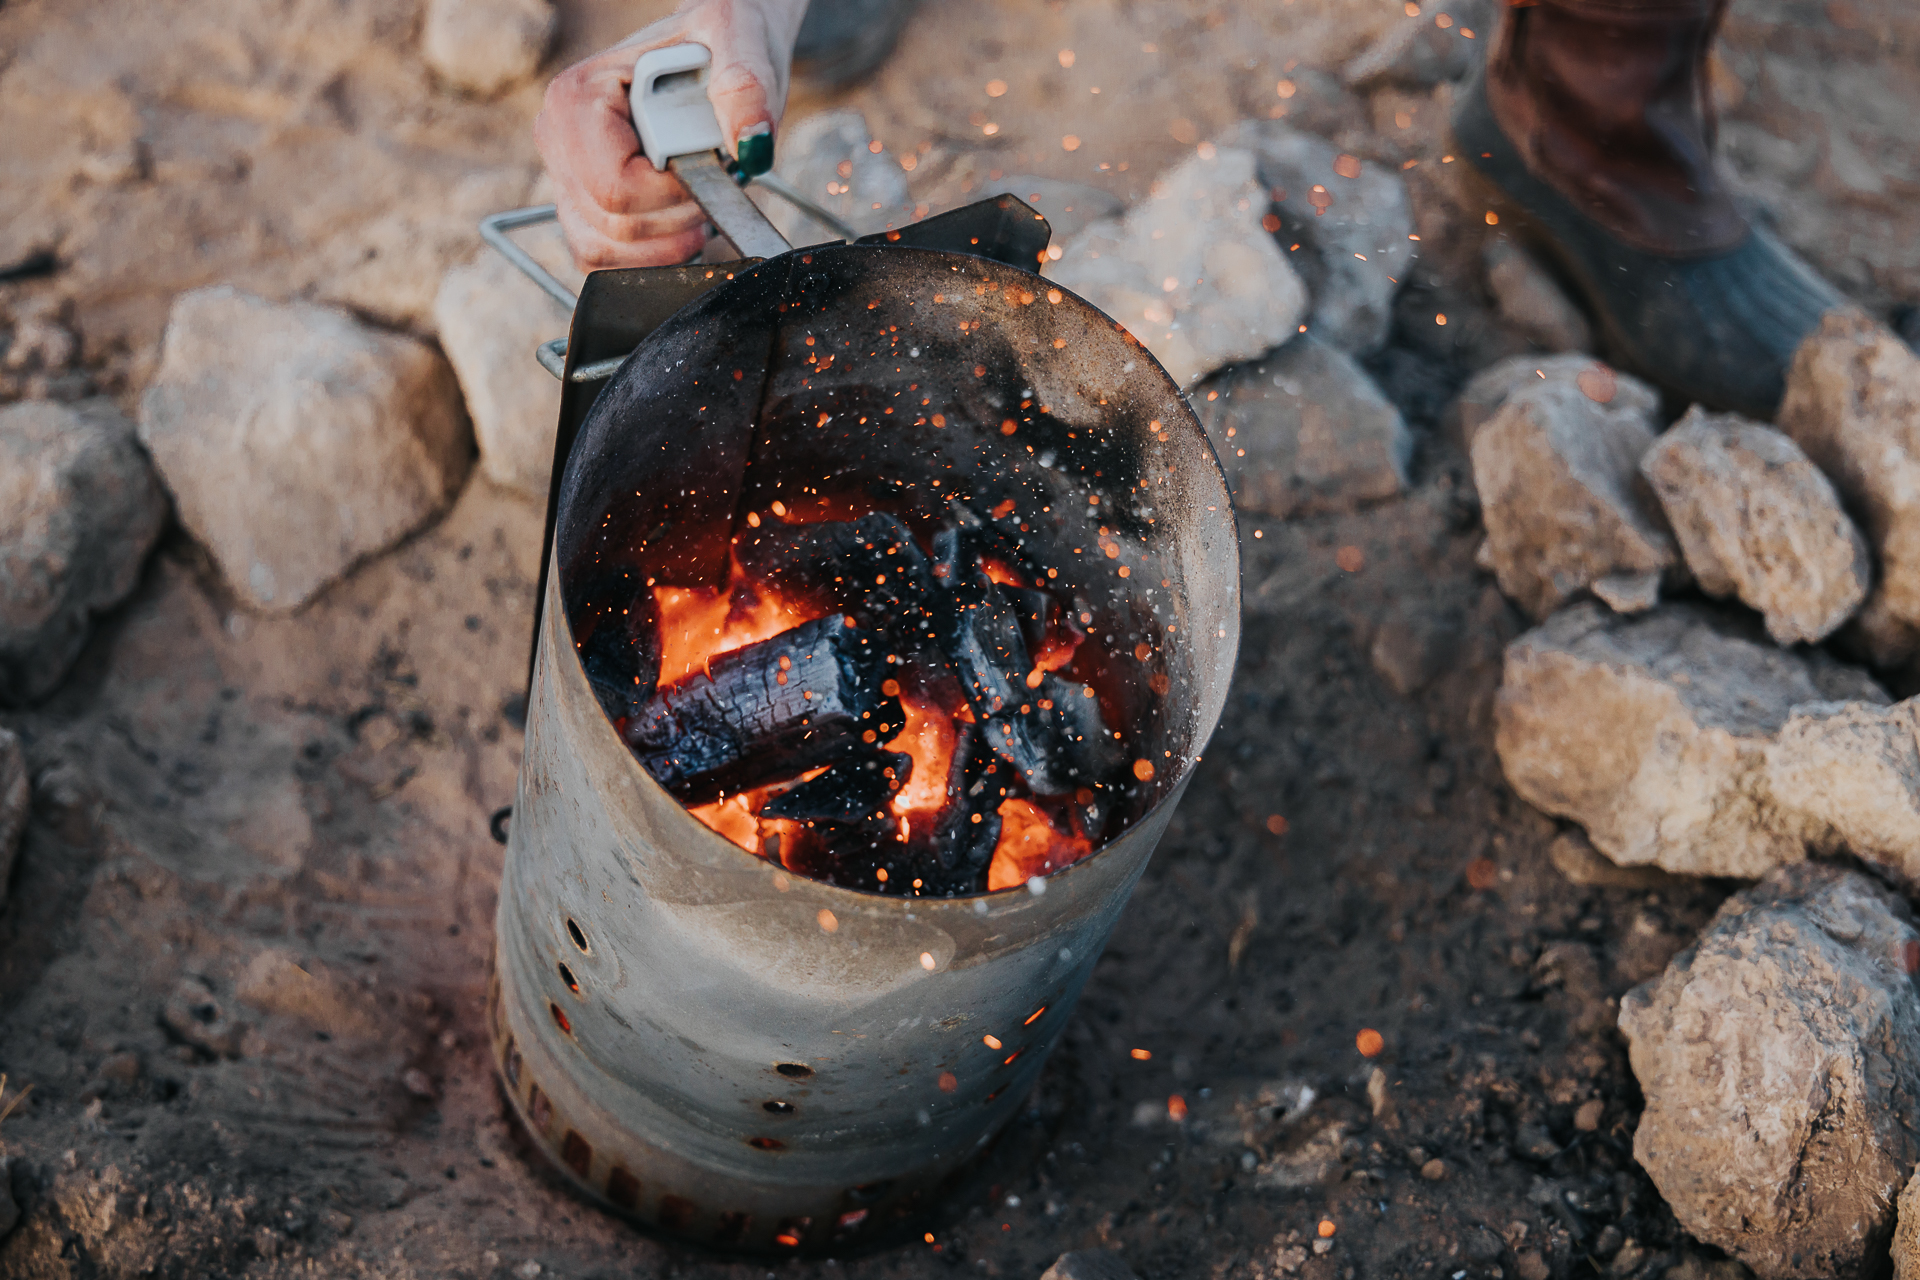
[[484, 46], [197, 1017], [1628, 592], [1653, 733], [1852, 771], [1782, 1085], [1069, 207], [1088, 1264], [297, 440], [15, 794], [828, 159], [1304, 430], [1906, 1232], [1488, 389], [1575, 858], [1853, 403], [1190, 271], [1532, 302], [1874, 636], [491, 319], [274, 982], [1351, 219], [1755, 519], [79, 509], [1562, 499]]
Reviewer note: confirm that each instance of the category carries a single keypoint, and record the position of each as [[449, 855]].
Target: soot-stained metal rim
[[619, 399]]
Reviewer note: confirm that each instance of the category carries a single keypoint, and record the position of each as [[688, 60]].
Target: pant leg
[[1609, 100]]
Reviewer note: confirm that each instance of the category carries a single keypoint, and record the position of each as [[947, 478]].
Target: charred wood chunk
[[970, 823], [870, 568], [1056, 739], [1034, 609], [764, 712], [614, 620], [980, 630], [853, 788]]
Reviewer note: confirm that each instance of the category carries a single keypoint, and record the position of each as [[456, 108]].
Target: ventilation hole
[[794, 1070], [767, 1144], [676, 1213], [579, 938], [566, 976], [577, 1152], [623, 1189], [559, 1018], [778, 1107]]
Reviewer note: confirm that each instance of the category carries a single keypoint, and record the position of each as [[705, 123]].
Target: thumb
[[752, 47]]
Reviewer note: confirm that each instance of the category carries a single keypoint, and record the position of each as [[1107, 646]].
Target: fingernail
[[753, 152]]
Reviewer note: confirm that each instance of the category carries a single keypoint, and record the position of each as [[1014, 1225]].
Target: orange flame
[[1030, 846], [699, 624], [928, 737]]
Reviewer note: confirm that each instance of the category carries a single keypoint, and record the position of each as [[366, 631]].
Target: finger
[[632, 228], [751, 42], [595, 251], [585, 134]]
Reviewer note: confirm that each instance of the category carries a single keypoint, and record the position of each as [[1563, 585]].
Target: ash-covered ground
[[242, 959]]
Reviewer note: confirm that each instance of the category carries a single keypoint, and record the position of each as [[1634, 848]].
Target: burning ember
[[865, 709]]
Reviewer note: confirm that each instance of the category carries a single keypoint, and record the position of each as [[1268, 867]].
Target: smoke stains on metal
[[705, 974]]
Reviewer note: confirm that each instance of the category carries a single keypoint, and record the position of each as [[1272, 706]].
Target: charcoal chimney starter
[[699, 1037]]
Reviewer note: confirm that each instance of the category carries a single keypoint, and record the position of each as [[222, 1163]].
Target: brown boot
[[1595, 122]]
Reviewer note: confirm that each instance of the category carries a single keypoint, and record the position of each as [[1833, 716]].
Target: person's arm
[[616, 208]]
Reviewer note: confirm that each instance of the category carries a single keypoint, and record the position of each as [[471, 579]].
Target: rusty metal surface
[[757, 1060]]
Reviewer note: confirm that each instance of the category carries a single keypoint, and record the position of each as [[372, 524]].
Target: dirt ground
[[216, 786]]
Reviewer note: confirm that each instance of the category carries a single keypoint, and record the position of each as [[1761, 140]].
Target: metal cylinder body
[[739, 1055]]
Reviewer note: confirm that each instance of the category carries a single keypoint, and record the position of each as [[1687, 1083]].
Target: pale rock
[[1575, 858], [1776, 1056], [1488, 389], [15, 794], [1417, 53], [1852, 771], [1304, 430], [829, 159], [1755, 519], [1312, 1162], [1532, 302], [197, 1016], [297, 440], [79, 510], [1088, 1264], [1190, 271], [1906, 1232], [1653, 733], [491, 320], [484, 46], [1069, 207], [1628, 592], [1351, 219], [1561, 497], [1853, 403], [1878, 638], [274, 982]]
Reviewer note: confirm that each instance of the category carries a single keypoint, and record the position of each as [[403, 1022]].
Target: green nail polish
[[754, 151]]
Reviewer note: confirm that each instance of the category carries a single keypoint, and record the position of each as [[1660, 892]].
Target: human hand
[[616, 208]]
